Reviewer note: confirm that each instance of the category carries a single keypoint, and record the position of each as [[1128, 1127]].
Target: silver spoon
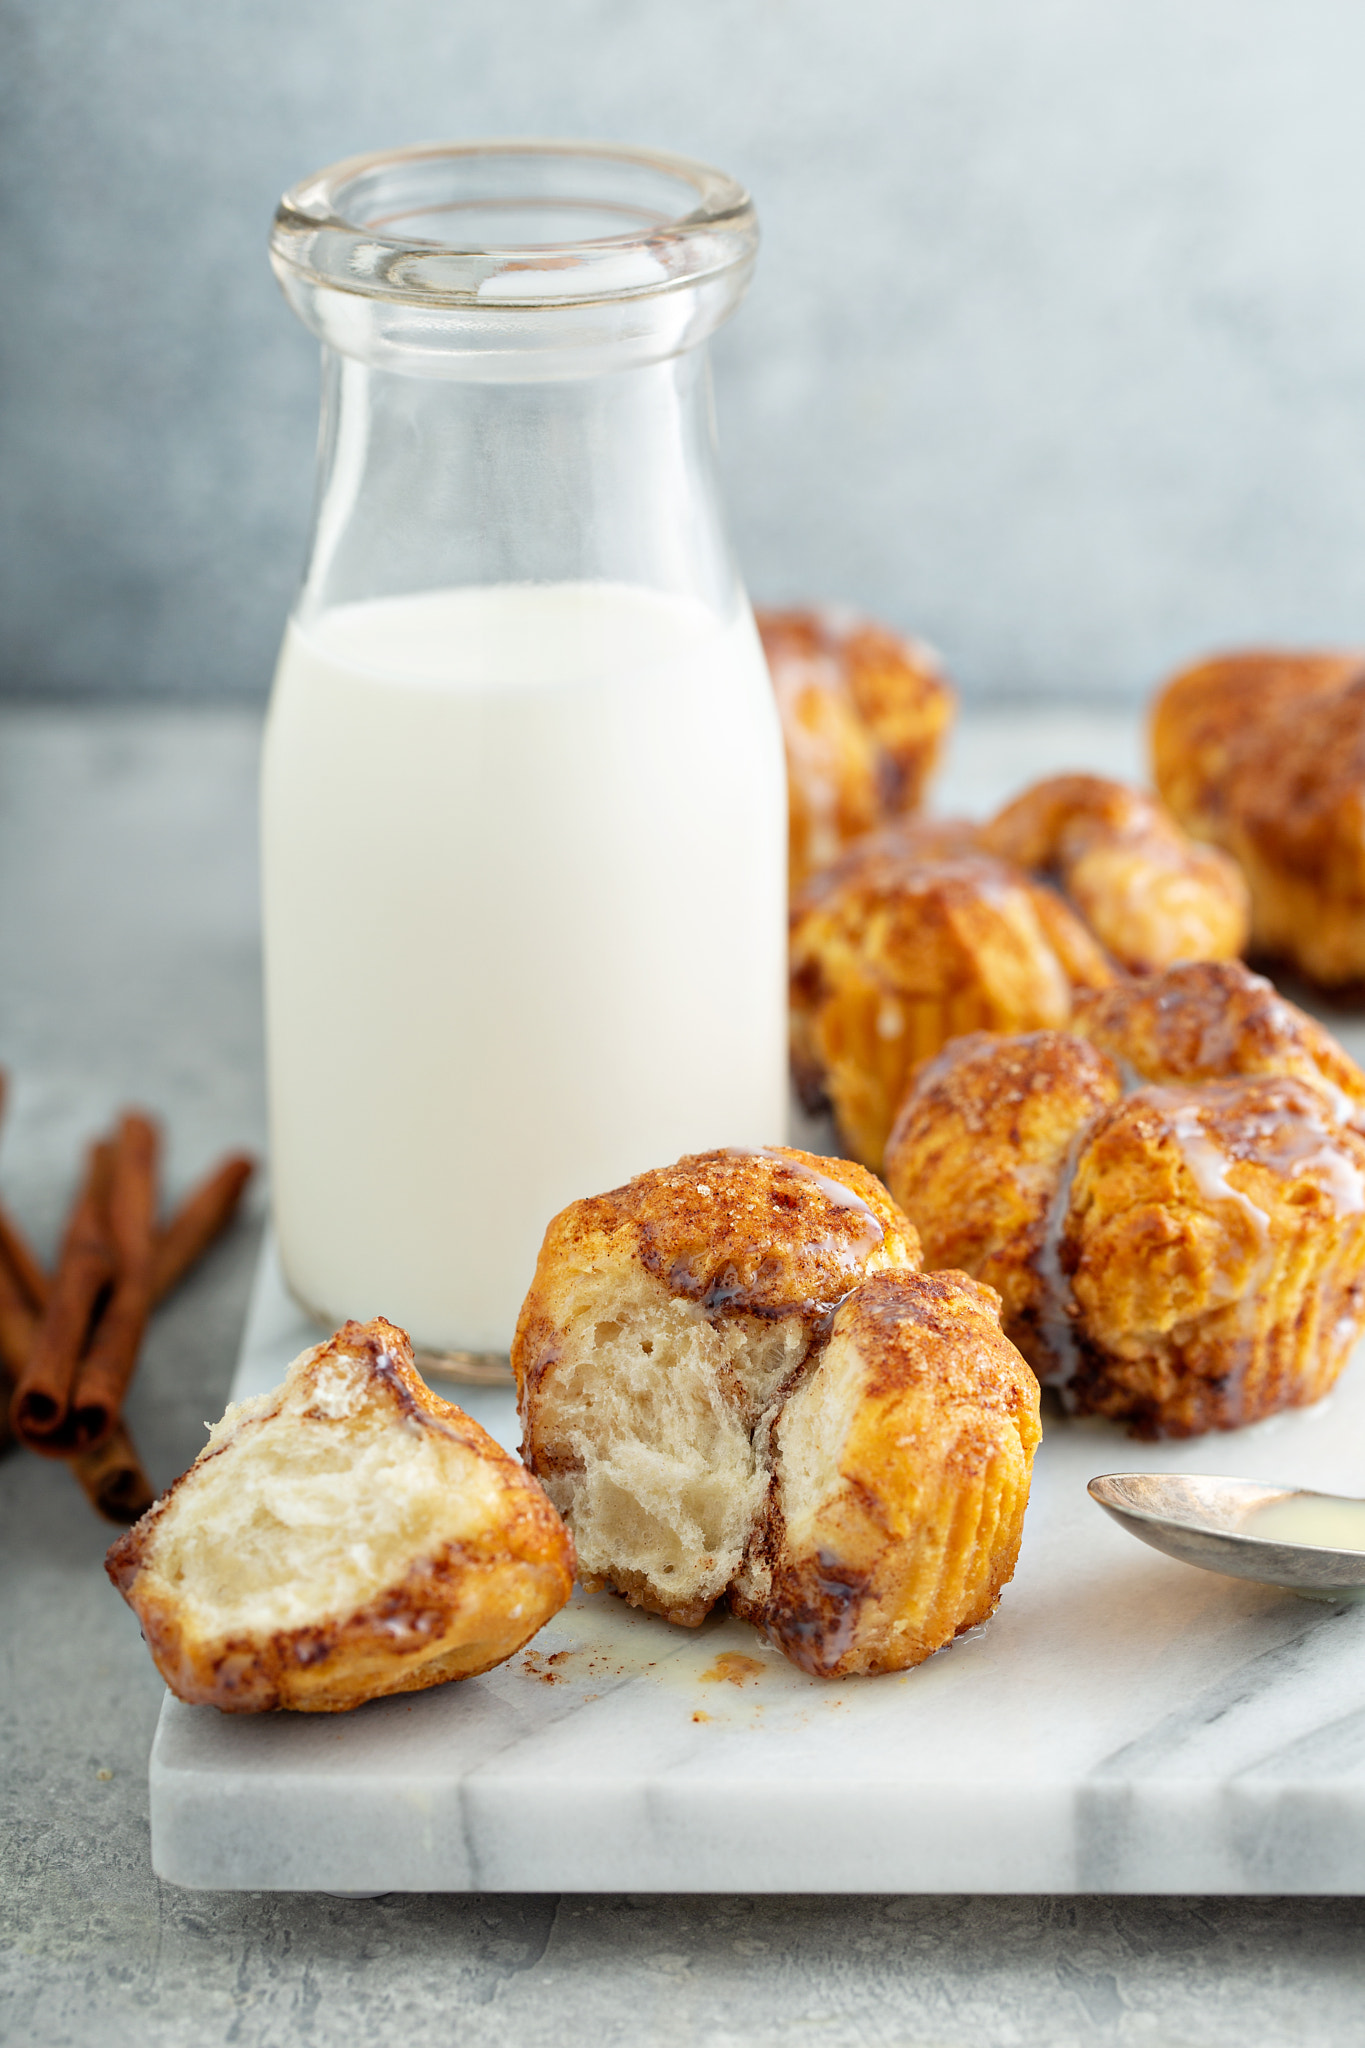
[[1313, 1543]]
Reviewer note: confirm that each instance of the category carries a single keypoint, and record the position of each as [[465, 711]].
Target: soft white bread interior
[[349, 1535], [646, 1442]]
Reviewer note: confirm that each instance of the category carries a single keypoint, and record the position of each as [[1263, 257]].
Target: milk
[[525, 923]]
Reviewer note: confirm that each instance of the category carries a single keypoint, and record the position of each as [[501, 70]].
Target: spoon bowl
[[1311, 1543]]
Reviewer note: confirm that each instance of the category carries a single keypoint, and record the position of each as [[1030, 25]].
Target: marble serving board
[[1124, 1724]]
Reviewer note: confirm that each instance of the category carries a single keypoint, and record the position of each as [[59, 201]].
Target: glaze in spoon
[[1311, 1543]]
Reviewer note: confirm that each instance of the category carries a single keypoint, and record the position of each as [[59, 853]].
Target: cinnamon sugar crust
[[1211, 1020], [768, 1232]]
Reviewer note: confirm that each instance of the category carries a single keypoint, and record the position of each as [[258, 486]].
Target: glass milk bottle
[[523, 791]]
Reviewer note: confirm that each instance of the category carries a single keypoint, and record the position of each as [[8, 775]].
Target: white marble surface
[[1124, 1724]]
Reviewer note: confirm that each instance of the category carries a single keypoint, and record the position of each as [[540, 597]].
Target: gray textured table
[[128, 929]]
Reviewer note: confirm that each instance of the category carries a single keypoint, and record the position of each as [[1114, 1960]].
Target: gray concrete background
[[1056, 351], [128, 925]]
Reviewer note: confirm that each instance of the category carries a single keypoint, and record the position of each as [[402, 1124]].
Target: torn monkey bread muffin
[[864, 715], [734, 1379], [1263, 754], [347, 1536], [1170, 1197]]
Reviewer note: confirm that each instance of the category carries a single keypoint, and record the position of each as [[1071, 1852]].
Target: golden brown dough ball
[[1263, 754], [864, 714], [1189, 1257], [977, 1155], [900, 1476], [347, 1536], [663, 1321], [733, 1379], [900, 947], [1149, 894]]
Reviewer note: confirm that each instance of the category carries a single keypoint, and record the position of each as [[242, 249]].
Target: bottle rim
[[511, 227]]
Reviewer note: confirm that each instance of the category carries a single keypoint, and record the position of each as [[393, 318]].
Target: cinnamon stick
[[205, 1211], [18, 1323], [113, 1479], [102, 1376], [68, 1347], [18, 1255], [85, 1271], [18, 1320], [23, 1286], [18, 1327]]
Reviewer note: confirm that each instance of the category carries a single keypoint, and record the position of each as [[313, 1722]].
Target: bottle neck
[[428, 484]]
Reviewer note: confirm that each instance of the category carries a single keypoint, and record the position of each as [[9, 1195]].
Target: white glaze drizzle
[[1292, 1140], [1206, 1163]]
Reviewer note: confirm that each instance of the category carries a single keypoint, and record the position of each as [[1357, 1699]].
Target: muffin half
[[347, 1536], [900, 1474]]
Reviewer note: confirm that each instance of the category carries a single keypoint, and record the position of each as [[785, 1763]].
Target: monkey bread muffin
[[864, 715], [935, 928], [1169, 1197], [733, 1378], [911, 939], [1263, 754]]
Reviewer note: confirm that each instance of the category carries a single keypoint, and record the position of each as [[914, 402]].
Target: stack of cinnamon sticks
[[69, 1343]]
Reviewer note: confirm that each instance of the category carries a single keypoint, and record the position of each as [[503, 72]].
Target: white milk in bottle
[[524, 856]]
